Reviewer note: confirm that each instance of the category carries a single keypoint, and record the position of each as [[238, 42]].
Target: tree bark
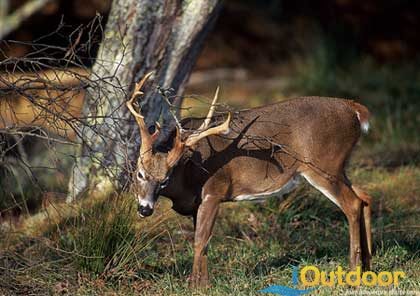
[[164, 36]]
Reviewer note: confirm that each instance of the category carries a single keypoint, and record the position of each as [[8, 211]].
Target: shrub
[[106, 242]]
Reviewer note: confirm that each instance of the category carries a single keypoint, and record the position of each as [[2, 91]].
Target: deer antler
[[217, 130], [202, 132], [137, 92], [176, 152], [146, 139], [206, 121]]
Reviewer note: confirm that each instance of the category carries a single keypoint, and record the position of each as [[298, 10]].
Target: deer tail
[[362, 113]]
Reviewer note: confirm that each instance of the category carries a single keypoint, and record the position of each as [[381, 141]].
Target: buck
[[253, 154]]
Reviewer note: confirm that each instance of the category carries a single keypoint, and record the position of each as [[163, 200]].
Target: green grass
[[107, 248]]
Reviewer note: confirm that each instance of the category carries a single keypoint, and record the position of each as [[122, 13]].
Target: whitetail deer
[[253, 154]]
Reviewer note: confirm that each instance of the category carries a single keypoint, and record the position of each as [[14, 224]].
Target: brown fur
[[362, 110]]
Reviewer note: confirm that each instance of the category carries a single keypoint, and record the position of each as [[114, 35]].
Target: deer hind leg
[[365, 225], [345, 198]]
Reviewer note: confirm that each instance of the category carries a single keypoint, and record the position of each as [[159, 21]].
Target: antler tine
[[206, 122], [137, 92], [139, 85], [217, 130], [132, 110]]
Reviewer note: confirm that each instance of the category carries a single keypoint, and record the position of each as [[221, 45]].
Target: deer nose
[[144, 211]]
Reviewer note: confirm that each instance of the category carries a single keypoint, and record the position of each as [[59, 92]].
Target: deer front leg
[[204, 225]]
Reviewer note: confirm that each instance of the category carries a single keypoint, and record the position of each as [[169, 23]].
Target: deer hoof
[[198, 282]]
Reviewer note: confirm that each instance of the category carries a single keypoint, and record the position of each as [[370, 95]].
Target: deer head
[[154, 168]]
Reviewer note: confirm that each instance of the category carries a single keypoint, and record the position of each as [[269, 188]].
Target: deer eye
[[140, 175]]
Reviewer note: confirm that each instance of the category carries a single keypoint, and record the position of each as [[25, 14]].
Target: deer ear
[[177, 149]]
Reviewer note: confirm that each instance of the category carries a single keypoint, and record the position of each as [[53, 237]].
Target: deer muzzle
[[145, 206], [144, 211]]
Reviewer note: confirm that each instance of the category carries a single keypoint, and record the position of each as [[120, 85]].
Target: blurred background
[[258, 52]]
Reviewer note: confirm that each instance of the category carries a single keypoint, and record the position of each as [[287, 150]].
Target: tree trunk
[[164, 36]]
